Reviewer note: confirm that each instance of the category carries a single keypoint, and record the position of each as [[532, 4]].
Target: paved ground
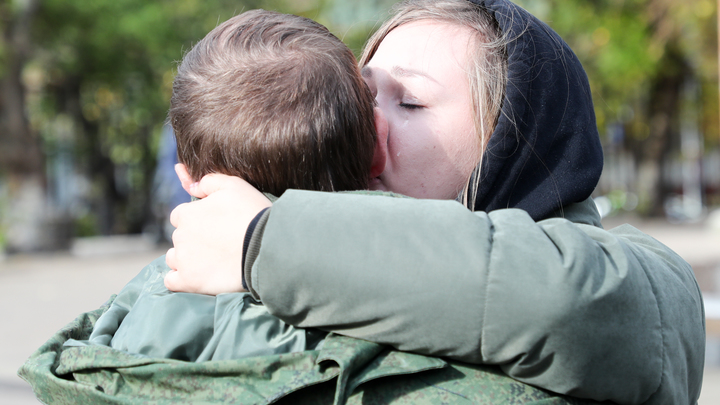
[[40, 294]]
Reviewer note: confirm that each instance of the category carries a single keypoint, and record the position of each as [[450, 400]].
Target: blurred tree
[[640, 56], [84, 89], [19, 151], [22, 192], [104, 71]]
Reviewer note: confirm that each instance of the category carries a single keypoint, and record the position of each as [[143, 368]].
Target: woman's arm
[[607, 315]]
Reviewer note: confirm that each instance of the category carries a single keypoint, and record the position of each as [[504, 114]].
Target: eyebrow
[[398, 71]]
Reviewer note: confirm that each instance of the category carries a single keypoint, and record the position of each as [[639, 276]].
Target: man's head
[[277, 100]]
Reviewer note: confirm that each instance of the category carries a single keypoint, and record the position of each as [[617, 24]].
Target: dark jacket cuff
[[251, 248]]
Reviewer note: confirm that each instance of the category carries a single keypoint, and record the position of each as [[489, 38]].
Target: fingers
[[172, 280], [177, 213], [205, 254], [171, 259]]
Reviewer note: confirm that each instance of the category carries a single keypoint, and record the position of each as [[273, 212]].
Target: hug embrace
[[493, 283]]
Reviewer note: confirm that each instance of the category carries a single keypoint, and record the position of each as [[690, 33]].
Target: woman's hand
[[208, 242]]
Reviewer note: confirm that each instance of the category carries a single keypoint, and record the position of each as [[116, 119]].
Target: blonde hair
[[487, 73]]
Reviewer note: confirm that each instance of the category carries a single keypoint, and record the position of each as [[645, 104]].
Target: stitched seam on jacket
[[487, 289], [662, 333]]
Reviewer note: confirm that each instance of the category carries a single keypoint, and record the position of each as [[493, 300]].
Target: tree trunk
[[19, 148], [26, 223], [664, 122]]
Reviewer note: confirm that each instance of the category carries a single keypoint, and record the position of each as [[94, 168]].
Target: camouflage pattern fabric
[[343, 371]]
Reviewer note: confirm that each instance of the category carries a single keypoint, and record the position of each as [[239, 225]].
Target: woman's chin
[[377, 185]]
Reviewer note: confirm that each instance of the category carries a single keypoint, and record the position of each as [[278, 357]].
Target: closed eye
[[408, 106]]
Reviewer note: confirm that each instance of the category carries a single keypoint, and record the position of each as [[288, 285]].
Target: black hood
[[545, 152]]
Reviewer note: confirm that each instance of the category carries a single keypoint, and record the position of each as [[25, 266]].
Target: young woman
[[485, 108]]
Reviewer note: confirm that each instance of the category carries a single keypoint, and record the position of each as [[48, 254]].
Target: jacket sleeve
[[606, 315]]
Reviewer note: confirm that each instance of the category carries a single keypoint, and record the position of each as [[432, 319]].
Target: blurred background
[[85, 156], [84, 91], [85, 86]]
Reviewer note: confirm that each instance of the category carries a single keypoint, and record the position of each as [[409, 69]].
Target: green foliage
[[644, 58], [3, 46], [621, 44], [4, 203], [86, 225], [3, 56]]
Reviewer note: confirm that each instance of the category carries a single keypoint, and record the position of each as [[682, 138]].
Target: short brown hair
[[277, 100]]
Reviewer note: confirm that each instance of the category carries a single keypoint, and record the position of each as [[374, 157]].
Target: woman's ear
[[381, 148], [185, 178]]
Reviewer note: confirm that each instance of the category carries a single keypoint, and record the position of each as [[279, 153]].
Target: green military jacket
[[560, 303], [344, 371], [147, 319]]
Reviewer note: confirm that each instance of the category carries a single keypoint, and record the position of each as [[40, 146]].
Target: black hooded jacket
[[545, 152]]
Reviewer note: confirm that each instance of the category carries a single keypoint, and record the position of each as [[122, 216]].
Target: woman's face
[[419, 79]]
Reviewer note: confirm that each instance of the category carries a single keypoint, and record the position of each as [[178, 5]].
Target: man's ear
[[184, 177], [381, 147]]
